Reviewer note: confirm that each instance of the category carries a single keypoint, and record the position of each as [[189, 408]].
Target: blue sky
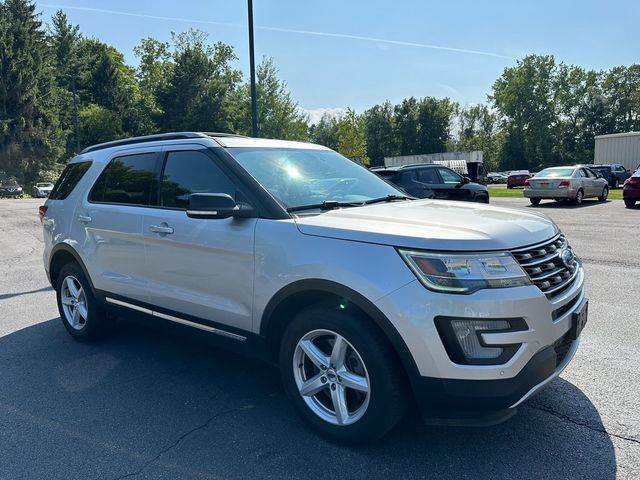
[[355, 53]]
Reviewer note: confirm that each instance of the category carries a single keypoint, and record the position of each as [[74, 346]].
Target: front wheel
[[79, 310], [534, 201], [342, 375], [605, 194]]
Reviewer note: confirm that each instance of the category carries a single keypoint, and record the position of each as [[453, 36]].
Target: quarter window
[[190, 172], [127, 180], [70, 177]]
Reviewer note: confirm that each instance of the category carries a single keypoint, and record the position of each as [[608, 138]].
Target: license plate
[[544, 184], [579, 319]]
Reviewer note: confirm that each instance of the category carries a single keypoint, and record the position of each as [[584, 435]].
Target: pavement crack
[[566, 418], [179, 440]]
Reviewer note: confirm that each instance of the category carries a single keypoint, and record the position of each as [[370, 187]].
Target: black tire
[[534, 201], [579, 197], [605, 194], [387, 401], [629, 203], [98, 324]]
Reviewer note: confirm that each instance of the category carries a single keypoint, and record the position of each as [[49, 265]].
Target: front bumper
[[631, 193], [452, 393], [550, 192]]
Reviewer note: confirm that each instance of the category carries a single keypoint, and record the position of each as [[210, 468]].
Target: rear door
[[589, 182], [409, 182], [108, 223], [201, 269]]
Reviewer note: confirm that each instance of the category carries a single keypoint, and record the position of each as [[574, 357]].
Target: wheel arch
[[61, 255], [294, 297]]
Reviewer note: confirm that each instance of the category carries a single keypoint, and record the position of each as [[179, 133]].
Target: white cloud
[[315, 114]]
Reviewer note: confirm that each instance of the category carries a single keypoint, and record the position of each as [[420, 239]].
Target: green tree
[[352, 137], [406, 126], [99, 124], [434, 120], [524, 96], [380, 133], [30, 134], [202, 94], [278, 114], [478, 130], [325, 132]]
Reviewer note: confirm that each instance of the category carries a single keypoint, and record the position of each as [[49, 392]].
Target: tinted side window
[[191, 172], [128, 180], [430, 176], [449, 176], [583, 173], [70, 177]]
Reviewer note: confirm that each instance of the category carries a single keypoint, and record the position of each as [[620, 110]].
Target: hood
[[432, 225]]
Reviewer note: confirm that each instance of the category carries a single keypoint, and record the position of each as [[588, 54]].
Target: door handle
[[162, 229], [83, 218]]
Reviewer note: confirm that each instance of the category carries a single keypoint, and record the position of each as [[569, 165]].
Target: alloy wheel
[[74, 303], [331, 377]]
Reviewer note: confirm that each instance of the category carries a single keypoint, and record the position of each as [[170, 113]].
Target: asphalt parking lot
[[148, 403]]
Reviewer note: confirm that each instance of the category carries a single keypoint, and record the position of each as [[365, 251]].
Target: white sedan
[[566, 183]]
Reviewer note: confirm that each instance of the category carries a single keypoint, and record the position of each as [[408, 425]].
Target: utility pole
[[73, 77], [252, 68]]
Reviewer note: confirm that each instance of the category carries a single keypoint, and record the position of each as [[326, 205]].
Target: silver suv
[[368, 300]]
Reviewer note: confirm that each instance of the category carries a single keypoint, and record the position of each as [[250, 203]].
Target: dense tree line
[[539, 112]]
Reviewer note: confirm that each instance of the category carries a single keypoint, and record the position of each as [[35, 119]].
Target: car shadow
[[568, 205], [159, 402]]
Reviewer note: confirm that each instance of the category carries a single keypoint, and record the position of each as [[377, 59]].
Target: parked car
[[496, 177], [566, 183], [361, 295], [517, 178], [614, 173], [11, 189], [631, 190], [434, 181], [41, 190]]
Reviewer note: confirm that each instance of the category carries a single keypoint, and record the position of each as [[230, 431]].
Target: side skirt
[[230, 338]]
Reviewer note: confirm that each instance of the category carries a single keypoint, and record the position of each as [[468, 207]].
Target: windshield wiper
[[326, 205], [388, 198]]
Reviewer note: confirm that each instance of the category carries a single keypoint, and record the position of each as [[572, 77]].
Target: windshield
[[555, 172], [299, 177]]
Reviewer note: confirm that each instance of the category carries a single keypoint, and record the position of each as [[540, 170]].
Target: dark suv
[[613, 173], [434, 181]]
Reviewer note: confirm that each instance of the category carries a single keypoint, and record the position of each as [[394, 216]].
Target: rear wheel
[[605, 194], [342, 375], [79, 310], [534, 201], [629, 203], [579, 197]]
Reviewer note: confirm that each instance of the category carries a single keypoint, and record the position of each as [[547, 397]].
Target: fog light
[[466, 332]]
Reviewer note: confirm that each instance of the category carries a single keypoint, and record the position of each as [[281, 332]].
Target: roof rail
[[144, 139]]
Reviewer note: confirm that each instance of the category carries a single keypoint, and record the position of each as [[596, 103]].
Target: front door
[[200, 268]]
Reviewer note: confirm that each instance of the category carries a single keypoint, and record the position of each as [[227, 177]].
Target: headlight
[[464, 273]]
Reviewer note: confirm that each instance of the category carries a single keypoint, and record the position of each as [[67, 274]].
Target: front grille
[[545, 267], [562, 347]]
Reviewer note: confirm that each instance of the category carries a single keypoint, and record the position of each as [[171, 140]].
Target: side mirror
[[216, 206]]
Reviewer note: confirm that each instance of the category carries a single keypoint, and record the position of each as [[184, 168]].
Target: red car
[[631, 190], [517, 178]]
